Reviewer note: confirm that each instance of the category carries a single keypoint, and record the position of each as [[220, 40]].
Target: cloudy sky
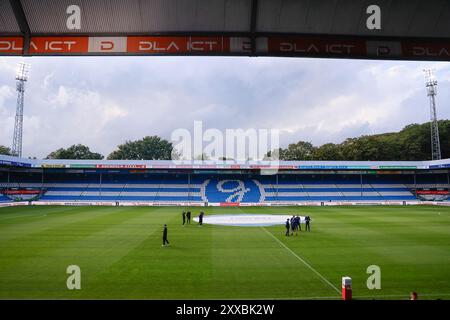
[[104, 101]]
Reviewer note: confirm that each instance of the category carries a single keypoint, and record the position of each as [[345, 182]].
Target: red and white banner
[[79, 45], [301, 46], [433, 192], [309, 46], [59, 45], [11, 45]]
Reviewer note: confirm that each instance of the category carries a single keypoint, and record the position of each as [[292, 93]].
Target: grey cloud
[[102, 102]]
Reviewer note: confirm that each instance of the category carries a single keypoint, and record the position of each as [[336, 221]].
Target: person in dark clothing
[[287, 227], [298, 223], [307, 223], [292, 225], [200, 218], [188, 216], [184, 217], [165, 241]]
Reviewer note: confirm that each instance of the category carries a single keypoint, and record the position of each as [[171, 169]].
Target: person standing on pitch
[[296, 225], [298, 222], [287, 227], [200, 218], [307, 225], [165, 241], [184, 218], [188, 216], [292, 225]]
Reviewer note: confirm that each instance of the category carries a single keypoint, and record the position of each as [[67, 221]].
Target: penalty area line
[[304, 262]]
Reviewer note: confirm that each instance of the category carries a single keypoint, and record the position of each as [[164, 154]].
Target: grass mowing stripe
[[119, 252], [303, 261], [24, 216]]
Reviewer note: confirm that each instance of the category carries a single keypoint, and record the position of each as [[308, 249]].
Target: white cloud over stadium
[[101, 102]]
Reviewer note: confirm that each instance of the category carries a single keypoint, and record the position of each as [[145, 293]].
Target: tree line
[[411, 143]]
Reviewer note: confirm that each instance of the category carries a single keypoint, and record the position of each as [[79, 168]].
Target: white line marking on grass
[[304, 262]]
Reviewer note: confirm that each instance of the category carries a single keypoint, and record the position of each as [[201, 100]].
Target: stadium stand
[[167, 188], [103, 181], [3, 198]]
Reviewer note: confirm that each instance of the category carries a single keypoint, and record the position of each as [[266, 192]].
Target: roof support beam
[[253, 18], [21, 19]]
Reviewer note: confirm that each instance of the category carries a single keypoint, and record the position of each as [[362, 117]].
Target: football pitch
[[119, 252]]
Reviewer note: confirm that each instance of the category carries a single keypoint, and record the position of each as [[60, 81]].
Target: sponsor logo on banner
[[59, 45], [384, 48], [240, 45], [156, 45], [11, 45], [272, 45], [433, 192], [183, 45], [209, 44], [121, 166], [310, 46], [426, 50], [107, 44], [53, 165], [229, 204]]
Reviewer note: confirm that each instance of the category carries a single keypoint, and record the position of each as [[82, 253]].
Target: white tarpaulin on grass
[[247, 220]]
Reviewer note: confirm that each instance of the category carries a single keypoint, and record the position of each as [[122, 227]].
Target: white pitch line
[[304, 262]]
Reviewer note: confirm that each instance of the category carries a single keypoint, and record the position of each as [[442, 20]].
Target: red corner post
[[346, 288]]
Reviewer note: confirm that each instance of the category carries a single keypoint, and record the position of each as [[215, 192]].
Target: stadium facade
[[225, 183]]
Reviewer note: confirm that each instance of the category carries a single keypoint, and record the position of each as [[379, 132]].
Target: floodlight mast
[[21, 77], [431, 85]]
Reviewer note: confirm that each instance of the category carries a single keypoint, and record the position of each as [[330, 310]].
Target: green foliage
[[148, 148], [411, 143], [78, 151], [5, 150]]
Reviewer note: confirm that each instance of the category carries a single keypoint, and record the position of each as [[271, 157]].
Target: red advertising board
[[157, 45], [59, 45], [229, 204], [12, 192], [315, 46], [278, 45], [415, 49], [177, 45], [434, 192], [11, 45]]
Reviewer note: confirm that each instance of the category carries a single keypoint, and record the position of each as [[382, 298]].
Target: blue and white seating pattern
[[152, 192], [4, 199], [233, 188]]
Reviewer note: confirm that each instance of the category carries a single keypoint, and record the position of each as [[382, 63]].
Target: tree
[[298, 151], [411, 143], [5, 150], [78, 151], [148, 148], [328, 151]]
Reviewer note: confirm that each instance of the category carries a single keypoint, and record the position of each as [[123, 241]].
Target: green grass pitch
[[119, 252]]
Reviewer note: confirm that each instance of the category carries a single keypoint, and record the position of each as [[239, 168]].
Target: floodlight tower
[[21, 77], [431, 85]]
